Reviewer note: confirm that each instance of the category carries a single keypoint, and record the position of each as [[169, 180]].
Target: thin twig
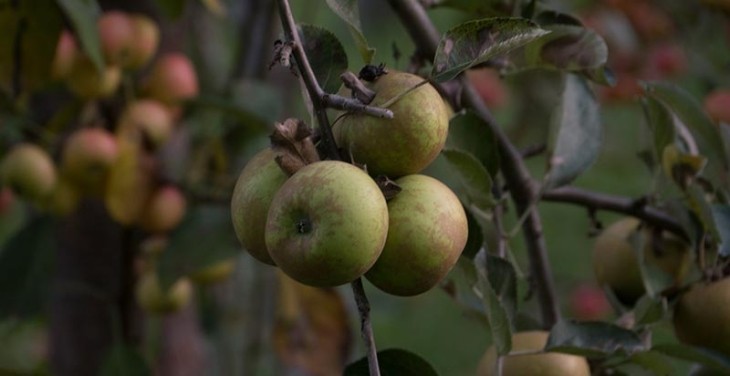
[[363, 306], [339, 102]]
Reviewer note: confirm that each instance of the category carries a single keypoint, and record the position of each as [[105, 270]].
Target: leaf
[[690, 112], [460, 287], [649, 310], [393, 362], [653, 362], [468, 132], [579, 135], [326, 55], [475, 42], [498, 315], [475, 239], [349, 12], [311, 332], [708, 357], [123, 360], [721, 214], [475, 182], [701, 208], [83, 15], [21, 341], [13, 219], [661, 125], [486, 8], [26, 263], [184, 254], [591, 339]]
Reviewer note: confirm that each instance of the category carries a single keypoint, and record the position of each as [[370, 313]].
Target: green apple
[[408, 142], [255, 188], [702, 316], [543, 364], [165, 210], [426, 234], [327, 224], [29, 171], [88, 154], [151, 298], [149, 116]]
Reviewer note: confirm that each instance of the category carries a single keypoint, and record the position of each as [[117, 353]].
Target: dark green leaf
[[649, 310], [468, 132], [393, 362], [204, 237], [484, 8], [653, 362], [475, 240], [579, 133], [349, 12], [476, 184], [172, 8], [460, 287], [84, 15], [690, 112], [708, 357], [12, 220], [552, 17], [592, 339], [326, 56], [26, 263], [20, 340], [475, 42], [122, 360], [498, 313], [721, 214], [661, 125], [701, 208]]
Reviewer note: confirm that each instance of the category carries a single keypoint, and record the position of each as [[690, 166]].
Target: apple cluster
[[327, 223]]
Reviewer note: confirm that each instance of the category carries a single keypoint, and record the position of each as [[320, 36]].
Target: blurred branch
[[626, 205], [519, 181]]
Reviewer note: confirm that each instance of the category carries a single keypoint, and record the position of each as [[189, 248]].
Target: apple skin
[[214, 273], [172, 80], [116, 36], [149, 116], [86, 82], [615, 263], [702, 316], [147, 39], [589, 303], [29, 171], [327, 224], [255, 189], [67, 51], [165, 210], [427, 232], [405, 144], [545, 364], [87, 156], [152, 299]]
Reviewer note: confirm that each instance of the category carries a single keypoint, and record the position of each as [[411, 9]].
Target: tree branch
[[518, 179]]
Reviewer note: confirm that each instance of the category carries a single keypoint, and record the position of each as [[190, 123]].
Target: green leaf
[[721, 214], [653, 362], [592, 339], [475, 240], [26, 263], [475, 42], [349, 12], [468, 132], [475, 182], [697, 201], [326, 56], [499, 308], [690, 112], [172, 8], [654, 278], [123, 360], [661, 125], [485, 8], [649, 310], [579, 133], [84, 15], [204, 237], [714, 359], [461, 288], [393, 362]]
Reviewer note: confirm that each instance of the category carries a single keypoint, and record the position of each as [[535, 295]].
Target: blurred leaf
[[12, 220], [468, 132], [498, 315], [393, 362], [129, 183], [484, 8], [172, 8], [701, 208], [553, 17], [26, 263], [649, 310], [690, 112], [661, 125], [23, 344], [679, 166], [326, 56], [83, 15], [476, 184], [592, 339], [579, 133], [123, 360], [721, 214], [708, 357], [653, 362], [185, 253], [475, 42], [311, 333], [349, 12]]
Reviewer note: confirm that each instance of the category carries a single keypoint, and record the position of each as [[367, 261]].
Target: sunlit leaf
[[83, 15], [393, 362], [349, 12], [476, 184], [592, 339], [721, 214], [326, 56], [579, 133], [475, 42], [498, 314]]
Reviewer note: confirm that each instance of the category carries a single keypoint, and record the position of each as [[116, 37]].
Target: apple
[[717, 105], [327, 224], [88, 154], [702, 316], [543, 364], [67, 52], [151, 117], [29, 171], [116, 36], [87, 82], [146, 41], [164, 211], [615, 263], [172, 80], [151, 298], [427, 231], [255, 188], [589, 303], [408, 142], [214, 273]]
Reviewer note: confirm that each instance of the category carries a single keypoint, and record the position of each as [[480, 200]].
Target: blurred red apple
[[589, 303], [717, 105]]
